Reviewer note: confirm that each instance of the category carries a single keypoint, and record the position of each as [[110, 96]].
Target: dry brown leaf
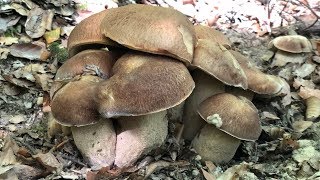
[[44, 80], [269, 116], [236, 172], [48, 160], [52, 36], [7, 155], [18, 82], [298, 82], [32, 51], [300, 126], [211, 167], [207, 175], [19, 8], [306, 92], [4, 53], [8, 41], [38, 21]]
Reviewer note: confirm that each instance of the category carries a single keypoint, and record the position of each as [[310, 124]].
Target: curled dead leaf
[[52, 36], [300, 126], [8, 41], [306, 92], [31, 51], [4, 53], [48, 160], [38, 21]]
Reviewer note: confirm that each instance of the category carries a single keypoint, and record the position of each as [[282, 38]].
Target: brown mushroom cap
[[291, 43], [87, 35], [258, 81], [205, 32], [74, 105], [151, 29], [95, 62], [216, 60], [143, 84], [234, 115]]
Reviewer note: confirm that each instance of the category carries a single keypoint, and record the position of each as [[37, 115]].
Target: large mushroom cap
[[74, 105], [291, 43], [234, 115], [87, 35], [216, 60], [258, 81], [95, 62], [205, 32], [143, 84], [151, 29]]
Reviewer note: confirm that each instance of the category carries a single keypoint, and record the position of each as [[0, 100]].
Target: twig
[[311, 10], [58, 146]]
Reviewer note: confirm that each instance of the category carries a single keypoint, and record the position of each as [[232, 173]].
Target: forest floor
[[288, 148]]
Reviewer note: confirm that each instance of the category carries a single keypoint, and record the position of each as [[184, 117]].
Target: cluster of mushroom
[[117, 100]]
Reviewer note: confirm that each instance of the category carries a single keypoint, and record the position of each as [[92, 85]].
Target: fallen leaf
[[211, 167], [4, 53], [298, 82], [17, 119], [306, 92], [48, 160], [8, 41], [52, 36], [38, 21], [18, 82], [44, 81], [300, 126], [207, 175], [7, 155], [31, 51], [6, 22], [162, 164], [269, 116], [19, 8]]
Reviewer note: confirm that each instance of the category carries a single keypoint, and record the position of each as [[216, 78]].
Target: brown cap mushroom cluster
[[117, 100]]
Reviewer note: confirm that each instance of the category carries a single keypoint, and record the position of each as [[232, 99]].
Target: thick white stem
[[97, 143], [139, 135]]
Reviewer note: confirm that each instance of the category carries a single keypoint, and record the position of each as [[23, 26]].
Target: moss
[[58, 52]]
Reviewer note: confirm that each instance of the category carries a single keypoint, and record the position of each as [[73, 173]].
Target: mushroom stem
[[206, 86], [138, 135], [96, 143], [215, 145]]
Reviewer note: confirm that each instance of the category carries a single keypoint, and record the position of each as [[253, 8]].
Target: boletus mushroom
[[229, 119], [142, 88], [73, 105]]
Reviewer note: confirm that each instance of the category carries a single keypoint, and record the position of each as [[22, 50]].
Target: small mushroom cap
[[258, 81], [74, 105], [205, 32], [291, 43], [236, 116], [95, 62], [87, 35], [216, 60], [163, 31], [143, 84]]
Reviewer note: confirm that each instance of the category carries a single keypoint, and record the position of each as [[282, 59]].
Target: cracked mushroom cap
[[205, 32], [291, 43], [87, 35], [74, 105], [163, 31], [258, 81], [143, 84], [234, 115], [95, 62], [216, 60]]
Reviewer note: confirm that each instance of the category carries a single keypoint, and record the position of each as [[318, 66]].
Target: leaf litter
[[32, 47]]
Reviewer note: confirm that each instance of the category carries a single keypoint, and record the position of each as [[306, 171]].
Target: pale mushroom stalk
[[205, 86], [138, 135], [97, 143]]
